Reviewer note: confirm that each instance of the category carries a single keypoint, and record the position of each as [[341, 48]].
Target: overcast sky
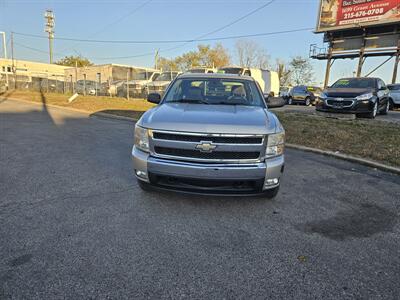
[[166, 20]]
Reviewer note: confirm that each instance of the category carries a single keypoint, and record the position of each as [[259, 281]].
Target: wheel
[[374, 111], [290, 101], [391, 104], [270, 194], [308, 101], [386, 109]]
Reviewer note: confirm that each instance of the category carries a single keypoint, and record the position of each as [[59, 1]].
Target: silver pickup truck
[[210, 133]]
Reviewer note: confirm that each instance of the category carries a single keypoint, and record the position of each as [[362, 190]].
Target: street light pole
[[5, 56], [49, 28]]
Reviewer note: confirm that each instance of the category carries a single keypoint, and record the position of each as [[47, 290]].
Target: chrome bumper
[[270, 171]]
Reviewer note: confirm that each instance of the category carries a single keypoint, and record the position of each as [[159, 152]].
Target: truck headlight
[[275, 144], [142, 138], [365, 96]]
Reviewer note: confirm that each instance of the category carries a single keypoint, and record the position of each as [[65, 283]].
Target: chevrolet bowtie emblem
[[206, 147]]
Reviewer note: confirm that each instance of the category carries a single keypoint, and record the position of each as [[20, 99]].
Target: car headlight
[[365, 96], [275, 144], [142, 138]]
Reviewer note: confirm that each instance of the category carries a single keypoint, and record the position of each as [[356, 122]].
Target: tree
[[71, 61], [301, 70], [284, 73], [251, 55], [204, 56]]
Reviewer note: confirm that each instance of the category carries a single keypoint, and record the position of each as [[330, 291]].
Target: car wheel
[[290, 101], [270, 194], [308, 101], [391, 104], [374, 111], [386, 109]]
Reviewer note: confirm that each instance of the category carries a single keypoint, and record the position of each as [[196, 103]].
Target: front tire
[[290, 101], [374, 111], [271, 194], [308, 101], [144, 186], [386, 109]]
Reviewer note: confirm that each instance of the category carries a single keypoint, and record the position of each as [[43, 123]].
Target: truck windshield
[[167, 76], [215, 91], [355, 83], [236, 71], [142, 75]]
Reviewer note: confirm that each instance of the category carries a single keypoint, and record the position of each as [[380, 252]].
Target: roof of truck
[[215, 75]]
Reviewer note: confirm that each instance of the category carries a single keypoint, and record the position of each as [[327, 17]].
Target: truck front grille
[[213, 139], [220, 155]]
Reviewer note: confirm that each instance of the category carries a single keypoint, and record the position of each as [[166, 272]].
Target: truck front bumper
[[208, 178]]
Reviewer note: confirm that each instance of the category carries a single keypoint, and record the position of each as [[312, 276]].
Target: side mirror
[[382, 88], [154, 98]]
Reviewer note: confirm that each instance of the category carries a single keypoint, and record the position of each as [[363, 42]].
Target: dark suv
[[306, 95], [361, 96]]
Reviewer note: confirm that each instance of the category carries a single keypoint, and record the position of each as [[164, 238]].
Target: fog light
[[141, 174], [273, 181]]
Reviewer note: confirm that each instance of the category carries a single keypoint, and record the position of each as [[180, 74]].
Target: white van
[[268, 80]]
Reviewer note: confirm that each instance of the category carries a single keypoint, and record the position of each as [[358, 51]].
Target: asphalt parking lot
[[392, 116], [74, 224]]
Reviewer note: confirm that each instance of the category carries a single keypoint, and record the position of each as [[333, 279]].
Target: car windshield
[[167, 76], [298, 89], [215, 91], [355, 83], [394, 87], [142, 75]]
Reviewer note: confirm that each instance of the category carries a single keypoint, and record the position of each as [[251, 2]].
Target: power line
[[172, 41], [209, 39]]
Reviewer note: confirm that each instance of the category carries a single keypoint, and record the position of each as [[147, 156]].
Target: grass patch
[[370, 139], [91, 104]]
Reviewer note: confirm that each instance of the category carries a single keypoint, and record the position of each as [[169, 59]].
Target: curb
[[94, 114], [350, 158]]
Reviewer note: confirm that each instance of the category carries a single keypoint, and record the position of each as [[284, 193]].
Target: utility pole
[[5, 55], [49, 28], [156, 59]]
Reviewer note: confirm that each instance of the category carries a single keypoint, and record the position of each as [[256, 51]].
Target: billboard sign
[[341, 14]]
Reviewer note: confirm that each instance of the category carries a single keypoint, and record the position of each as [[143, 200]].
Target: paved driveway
[[75, 225]]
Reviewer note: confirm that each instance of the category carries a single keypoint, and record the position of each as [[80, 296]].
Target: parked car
[[303, 94], [268, 80], [394, 95], [203, 70], [161, 83], [137, 85], [88, 87], [360, 96], [210, 133]]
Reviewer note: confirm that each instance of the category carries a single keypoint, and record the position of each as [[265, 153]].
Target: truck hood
[[158, 83], [202, 118], [347, 92], [139, 82]]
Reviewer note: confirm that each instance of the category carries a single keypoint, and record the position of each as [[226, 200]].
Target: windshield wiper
[[196, 101]]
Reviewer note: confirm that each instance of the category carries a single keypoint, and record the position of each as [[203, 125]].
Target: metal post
[[49, 28], [396, 63], [12, 60], [5, 56], [76, 76], [84, 84], [328, 66], [362, 59], [127, 85]]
